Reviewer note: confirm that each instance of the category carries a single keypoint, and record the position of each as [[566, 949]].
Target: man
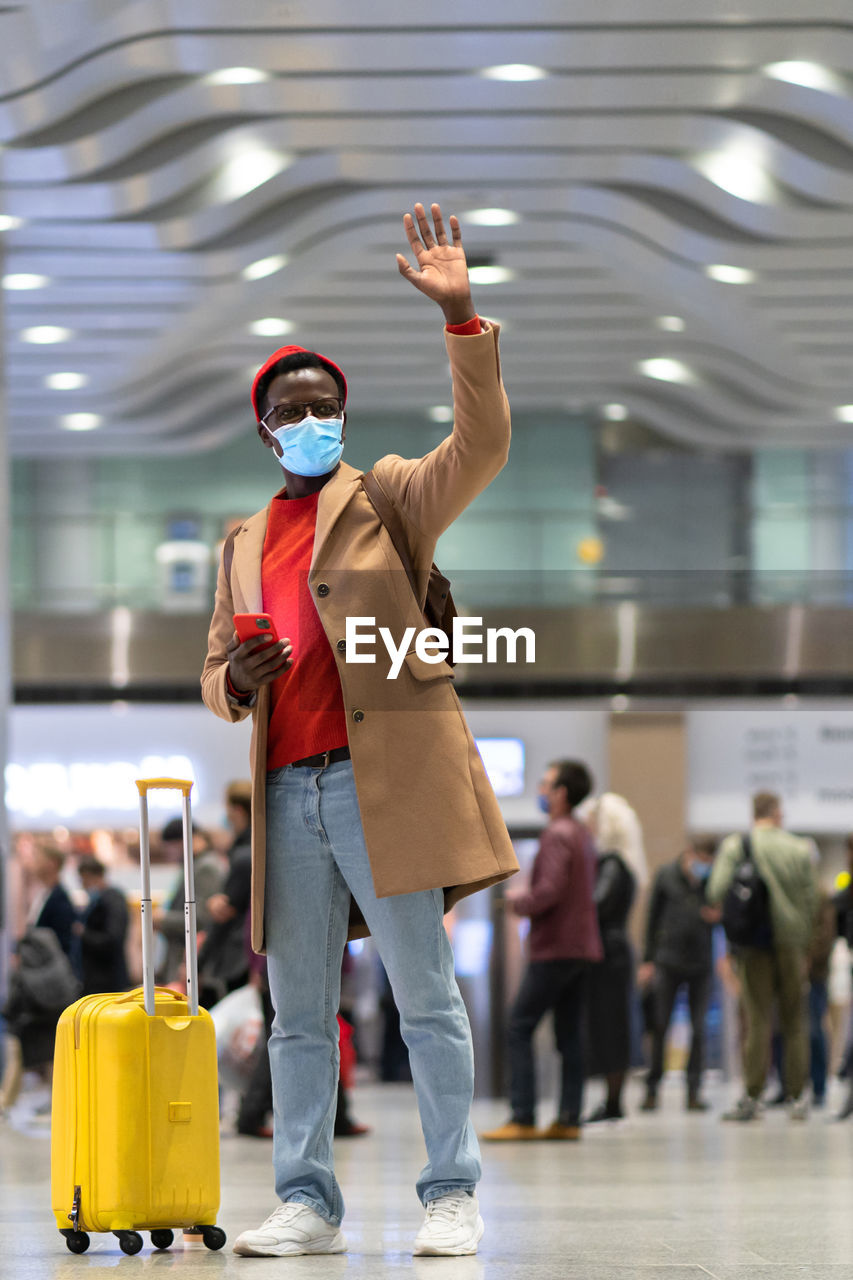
[[102, 931], [372, 811], [51, 907], [774, 973], [208, 874], [223, 961], [678, 952], [564, 940]]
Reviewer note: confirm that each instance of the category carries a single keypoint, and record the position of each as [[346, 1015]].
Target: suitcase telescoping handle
[[144, 785]]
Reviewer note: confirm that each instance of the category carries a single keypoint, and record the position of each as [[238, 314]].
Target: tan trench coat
[[430, 816]]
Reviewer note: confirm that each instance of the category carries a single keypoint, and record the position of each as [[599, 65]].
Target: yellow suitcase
[[135, 1114]]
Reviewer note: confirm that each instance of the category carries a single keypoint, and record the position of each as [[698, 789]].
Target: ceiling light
[[271, 327], [672, 324], [237, 75], [24, 280], [490, 275], [492, 217], [81, 421], [810, 74], [8, 223], [730, 275], [244, 172], [514, 71], [264, 267], [614, 412], [440, 413], [66, 381], [666, 370], [45, 333], [740, 169], [844, 413]]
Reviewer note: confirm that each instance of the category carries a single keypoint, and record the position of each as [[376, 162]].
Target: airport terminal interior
[[655, 205]]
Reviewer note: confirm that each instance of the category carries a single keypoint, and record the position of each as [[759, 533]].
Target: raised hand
[[442, 272]]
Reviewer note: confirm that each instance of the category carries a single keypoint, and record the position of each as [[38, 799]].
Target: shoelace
[[283, 1214], [447, 1209]]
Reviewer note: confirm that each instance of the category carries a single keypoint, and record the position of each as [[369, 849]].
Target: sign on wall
[[804, 753]]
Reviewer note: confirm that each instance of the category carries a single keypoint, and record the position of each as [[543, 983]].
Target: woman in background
[[622, 871]]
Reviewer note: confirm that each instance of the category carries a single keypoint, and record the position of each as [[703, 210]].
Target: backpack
[[438, 607], [746, 905]]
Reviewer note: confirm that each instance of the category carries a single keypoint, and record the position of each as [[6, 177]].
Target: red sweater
[[306, 708], [560, 903]]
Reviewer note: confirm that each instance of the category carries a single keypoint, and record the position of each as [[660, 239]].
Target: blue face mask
[[700, 870], [544, 803], [313, 447]]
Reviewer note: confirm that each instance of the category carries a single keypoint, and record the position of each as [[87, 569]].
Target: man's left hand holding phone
[[256, 656]]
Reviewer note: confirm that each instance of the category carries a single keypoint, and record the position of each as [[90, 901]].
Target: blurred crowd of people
[[612, 1003]]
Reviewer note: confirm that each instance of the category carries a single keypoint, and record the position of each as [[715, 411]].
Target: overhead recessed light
[[66, 381], [514, 71], [844, 413], [740, 168], [672, 324], [24, 280], [271, 327], [440, 413], [264, 267], [45, 333], [237, 75], [492, 217], [10, 223], [246, 171], [490, 275], [666, 370], [614, 412], [730, 275], [81, 421], [812, 75]]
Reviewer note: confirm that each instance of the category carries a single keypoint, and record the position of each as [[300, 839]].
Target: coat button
[[323, 589], [358, 716], [341, 646]]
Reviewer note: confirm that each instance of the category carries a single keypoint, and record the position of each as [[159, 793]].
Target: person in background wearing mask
[[102, 931], [371, 808], [678, 952], [564, 941]]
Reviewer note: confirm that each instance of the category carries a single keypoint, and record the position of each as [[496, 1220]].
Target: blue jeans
[[316, 858]]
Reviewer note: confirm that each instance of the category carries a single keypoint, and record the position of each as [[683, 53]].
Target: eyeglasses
[[287, 415]]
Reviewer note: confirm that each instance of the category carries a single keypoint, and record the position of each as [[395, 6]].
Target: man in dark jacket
[[564, 940], [678, 953], [102, 931], [52, 908], [223, 961]]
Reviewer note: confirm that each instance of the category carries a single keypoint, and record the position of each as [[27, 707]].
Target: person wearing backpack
[[777, 899], [371, 807]]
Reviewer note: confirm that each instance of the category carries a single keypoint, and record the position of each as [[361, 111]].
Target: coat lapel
[[334, 496]]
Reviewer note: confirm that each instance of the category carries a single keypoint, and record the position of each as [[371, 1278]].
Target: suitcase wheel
[[161, 1239], [129, 1241], [77, 1241], [214, 1237]]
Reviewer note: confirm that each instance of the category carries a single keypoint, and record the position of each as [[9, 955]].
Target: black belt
[[323, 759]]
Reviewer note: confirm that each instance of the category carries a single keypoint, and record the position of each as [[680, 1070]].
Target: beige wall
[[648, 765]]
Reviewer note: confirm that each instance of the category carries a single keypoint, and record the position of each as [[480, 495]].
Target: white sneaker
[[290, 1229], [452, 1226], [798, 1108]]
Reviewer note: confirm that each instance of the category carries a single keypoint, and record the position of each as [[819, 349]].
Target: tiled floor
[[661, 1197]]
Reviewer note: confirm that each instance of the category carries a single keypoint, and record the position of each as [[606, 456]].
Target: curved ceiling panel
[[677, 192]]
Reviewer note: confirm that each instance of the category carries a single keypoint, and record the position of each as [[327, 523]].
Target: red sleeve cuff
[[235, 693], [467, 330]]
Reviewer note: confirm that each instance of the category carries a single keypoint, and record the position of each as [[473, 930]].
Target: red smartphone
[[251, 625]]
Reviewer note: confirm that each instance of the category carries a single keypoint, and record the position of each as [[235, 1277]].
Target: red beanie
[[281, 354]]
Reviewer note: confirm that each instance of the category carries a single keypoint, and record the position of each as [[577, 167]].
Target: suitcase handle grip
[[144, 785], [162, 991]]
